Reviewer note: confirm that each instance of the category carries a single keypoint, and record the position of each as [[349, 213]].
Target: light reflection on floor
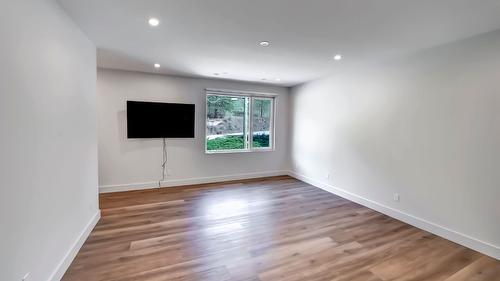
[[223, 229], [227, 208]]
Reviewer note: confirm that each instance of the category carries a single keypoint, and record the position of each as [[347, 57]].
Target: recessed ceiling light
[[265, 43], [157, 65], [216, 74], [263, 79], [337, 57], [277, 79], [154, 21]]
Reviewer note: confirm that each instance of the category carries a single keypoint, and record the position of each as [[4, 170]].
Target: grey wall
[[134, 163], [48, 142], [426, 127]]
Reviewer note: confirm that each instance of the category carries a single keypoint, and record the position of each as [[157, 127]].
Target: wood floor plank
[[276, 228], [483, 269]]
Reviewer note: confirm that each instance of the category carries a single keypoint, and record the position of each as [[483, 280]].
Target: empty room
[[238, 140]]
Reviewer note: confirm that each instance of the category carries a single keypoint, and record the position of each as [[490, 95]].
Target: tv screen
[[159, 120]]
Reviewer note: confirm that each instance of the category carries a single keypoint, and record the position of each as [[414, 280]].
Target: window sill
[[239, 151]]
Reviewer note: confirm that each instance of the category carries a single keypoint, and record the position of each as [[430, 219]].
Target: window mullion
[[250, 121], [272, 124]]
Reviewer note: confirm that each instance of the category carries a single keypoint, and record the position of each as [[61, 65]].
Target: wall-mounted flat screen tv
[[159, 120]]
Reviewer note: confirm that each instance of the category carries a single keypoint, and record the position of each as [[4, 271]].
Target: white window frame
[[249, 125]]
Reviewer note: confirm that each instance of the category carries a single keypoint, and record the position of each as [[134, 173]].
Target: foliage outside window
[[239, 123]]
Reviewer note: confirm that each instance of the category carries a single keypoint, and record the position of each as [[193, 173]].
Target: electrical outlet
[[396, 197], [26, 277], [169, 172], [327, 176]]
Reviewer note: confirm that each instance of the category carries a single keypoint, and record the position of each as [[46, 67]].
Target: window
[[239, 122]]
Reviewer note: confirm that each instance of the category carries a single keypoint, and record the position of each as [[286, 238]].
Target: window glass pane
[[261, 122], [226, 122]]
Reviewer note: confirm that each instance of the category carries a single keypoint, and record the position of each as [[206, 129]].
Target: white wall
[[48, 142], [133, 164], [427, 127]]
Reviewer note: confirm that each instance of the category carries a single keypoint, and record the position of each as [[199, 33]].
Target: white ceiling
[[202, 37]]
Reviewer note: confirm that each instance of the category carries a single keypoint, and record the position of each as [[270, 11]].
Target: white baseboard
[[127, 187], [190, 181], [459, 238], [75, 248]]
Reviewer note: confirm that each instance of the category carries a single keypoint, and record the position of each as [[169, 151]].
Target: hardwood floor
[[259, 230]]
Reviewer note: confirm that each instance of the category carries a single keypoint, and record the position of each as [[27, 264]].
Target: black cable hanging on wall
[[164, 162]]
